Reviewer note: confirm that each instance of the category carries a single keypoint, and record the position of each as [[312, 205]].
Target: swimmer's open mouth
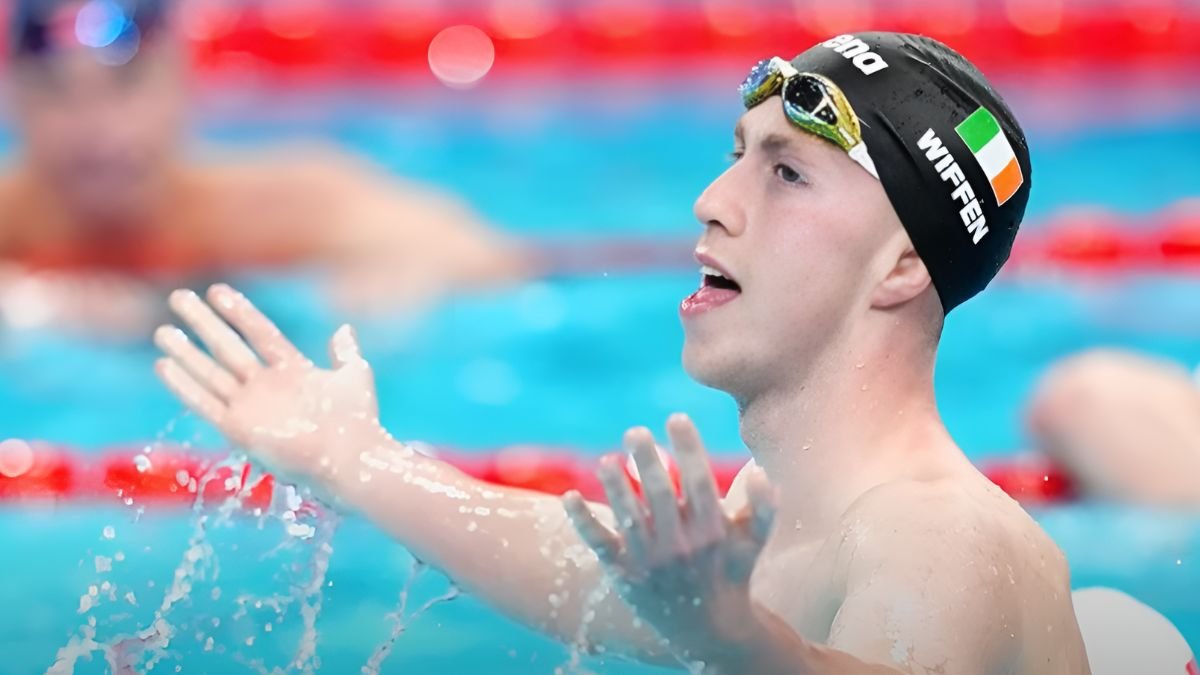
[[714, 278]]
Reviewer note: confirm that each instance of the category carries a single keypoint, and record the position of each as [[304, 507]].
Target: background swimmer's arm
[[397, 244]]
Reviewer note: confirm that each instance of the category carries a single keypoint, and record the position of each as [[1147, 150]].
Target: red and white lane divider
[[172, 476], [307, 37]]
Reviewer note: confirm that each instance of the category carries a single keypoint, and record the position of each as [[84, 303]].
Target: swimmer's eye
[[735, 155], [789, 175]]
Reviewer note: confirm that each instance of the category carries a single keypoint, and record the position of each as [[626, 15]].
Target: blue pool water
[[562, 362]]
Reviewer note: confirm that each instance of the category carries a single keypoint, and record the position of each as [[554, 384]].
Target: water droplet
[[182, 477], [268, 628], [109, 532], [103, 564], [301, 530], [208, 645], [696, 602], [472, 526], [292, 498], [250, 641], [142, 463]]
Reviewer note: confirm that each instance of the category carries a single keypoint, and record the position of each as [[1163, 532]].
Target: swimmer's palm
[[260, 391], [295, 416]]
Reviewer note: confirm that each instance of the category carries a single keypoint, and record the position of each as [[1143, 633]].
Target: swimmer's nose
[[719, 207]]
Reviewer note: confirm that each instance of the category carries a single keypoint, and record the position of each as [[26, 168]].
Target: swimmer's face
[[802, 229], [100, 136]]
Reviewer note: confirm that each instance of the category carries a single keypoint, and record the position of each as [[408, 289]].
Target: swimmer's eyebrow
[[776, 144]]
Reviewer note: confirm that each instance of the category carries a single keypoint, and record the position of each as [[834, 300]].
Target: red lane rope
[[324, 37], [390, 37], [169, 477], [1099, 240]]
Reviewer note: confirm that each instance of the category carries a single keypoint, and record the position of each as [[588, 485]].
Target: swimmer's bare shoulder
[[945, 576], [952, 576]]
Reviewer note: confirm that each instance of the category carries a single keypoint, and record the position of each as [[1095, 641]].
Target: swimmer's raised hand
[[681, 562], [260, 391]]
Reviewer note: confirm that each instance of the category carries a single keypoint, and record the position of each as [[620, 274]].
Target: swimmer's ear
[[907, 279]]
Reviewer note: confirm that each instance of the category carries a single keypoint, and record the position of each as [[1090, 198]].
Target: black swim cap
[[950, 154], [114, 28]]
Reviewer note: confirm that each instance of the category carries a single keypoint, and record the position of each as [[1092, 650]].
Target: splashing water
[[145, 648], [399, 622], [579, 645], [311, 599]]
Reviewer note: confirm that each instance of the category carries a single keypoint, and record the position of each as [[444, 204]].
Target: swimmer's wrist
[[369, 452]]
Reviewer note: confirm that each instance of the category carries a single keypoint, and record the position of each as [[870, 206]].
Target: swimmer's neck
[[864, 418]]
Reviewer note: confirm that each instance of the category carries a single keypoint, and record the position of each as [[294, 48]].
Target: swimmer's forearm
[[515, 549], [765, 644]]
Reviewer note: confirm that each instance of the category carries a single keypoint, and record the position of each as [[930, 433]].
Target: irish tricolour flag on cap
[[981, 132]]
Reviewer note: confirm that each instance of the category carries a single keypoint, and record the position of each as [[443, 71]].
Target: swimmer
[[103, 201], [877, 182], [1125, 427]]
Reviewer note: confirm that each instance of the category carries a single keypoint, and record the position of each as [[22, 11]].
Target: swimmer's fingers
[[594, 533], [761, 504], [627, 510], [191, 393], [200, 366], [225, 345], [656, 486], [262, 334], [702, 499]]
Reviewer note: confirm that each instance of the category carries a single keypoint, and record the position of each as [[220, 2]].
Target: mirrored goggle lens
[[761, 83], [810, 95]]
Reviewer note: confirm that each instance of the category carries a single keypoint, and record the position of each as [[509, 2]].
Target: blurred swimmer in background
[[1124, 426], [103, 202]]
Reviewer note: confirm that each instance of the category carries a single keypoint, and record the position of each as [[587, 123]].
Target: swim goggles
[[812, 102]]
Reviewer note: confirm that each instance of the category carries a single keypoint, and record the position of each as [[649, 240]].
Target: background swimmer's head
[[831, 259], [97, 91]]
